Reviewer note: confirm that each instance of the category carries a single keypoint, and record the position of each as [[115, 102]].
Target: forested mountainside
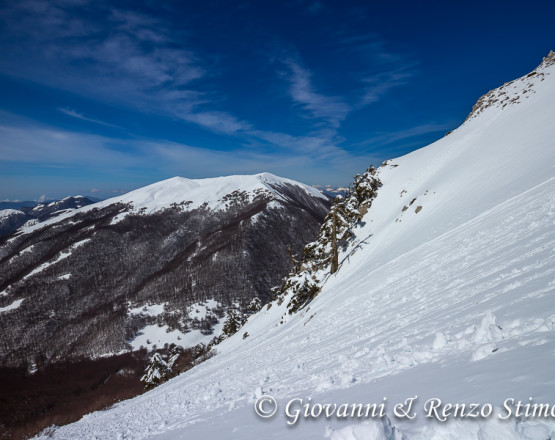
[[156, 266]]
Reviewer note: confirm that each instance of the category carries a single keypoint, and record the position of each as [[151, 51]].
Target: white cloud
[[45, 145], [382, 69], [314, 158], [316, 105], [378, 85], [78, 115], [121, 56], [216, 121], [407, 133]]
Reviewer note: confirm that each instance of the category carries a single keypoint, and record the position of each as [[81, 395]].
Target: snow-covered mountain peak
[[271, 181], [516, 91], [8, 212], [213, 193]]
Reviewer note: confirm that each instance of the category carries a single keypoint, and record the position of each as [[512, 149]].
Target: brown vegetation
[[62, 393]]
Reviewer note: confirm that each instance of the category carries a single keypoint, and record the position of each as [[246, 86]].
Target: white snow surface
[[156, 335], [201, 310], [455, 302], [149, 309], [14, 305], [62, 255], [191, 193], [211, 191], [10, 212]]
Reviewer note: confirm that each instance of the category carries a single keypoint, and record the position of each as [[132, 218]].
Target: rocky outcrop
[[513, 92]]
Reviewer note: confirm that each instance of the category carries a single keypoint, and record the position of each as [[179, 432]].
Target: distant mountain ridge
[[158, 265], [8, 204], [21, 213], [331, 190]]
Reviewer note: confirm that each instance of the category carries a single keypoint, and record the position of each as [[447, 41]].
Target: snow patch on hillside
[[156, 335], [118, 218], [27, 250], [148, 310], [202, 309], [14, 305], [62, 255]]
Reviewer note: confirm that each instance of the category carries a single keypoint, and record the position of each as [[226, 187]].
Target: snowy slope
[[10, 220], [200, 191], [450, 298]]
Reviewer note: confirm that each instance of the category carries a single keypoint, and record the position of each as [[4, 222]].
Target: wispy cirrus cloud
[[75, 114], [382, 69], [323, 143], [63, 152], [312, 7], [125, 58], [316, 105], [147, 63], [376, 86], [121, 56], [217, 121], [418, 130], [378, 71], [31, 143]]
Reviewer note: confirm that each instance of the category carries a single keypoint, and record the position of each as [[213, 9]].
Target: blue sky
[[99, 98]]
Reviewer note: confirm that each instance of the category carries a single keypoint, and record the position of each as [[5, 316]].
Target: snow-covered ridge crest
[[515, 92], [216, 193], [8, 212], [210, 192]]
